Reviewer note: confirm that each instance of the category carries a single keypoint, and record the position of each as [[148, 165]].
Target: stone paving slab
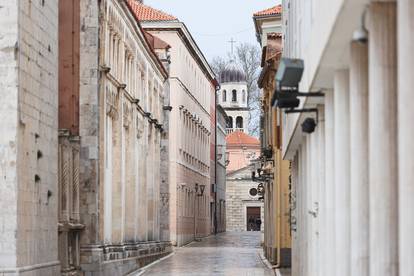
[[227, 254]]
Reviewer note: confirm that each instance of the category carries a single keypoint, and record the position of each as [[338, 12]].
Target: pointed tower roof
[[232, 73]]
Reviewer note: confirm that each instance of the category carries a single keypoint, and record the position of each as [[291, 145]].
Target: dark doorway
[[253, 219]]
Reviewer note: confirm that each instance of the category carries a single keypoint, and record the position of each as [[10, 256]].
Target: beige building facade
[[28, 140], [192, 88], [275, 172]]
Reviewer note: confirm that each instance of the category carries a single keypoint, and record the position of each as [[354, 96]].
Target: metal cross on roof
[[232, 42]]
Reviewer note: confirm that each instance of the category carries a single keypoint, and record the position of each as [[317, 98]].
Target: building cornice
[[188, 40]]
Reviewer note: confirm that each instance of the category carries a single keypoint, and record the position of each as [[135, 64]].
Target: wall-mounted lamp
[[361, 34], [199, 189]]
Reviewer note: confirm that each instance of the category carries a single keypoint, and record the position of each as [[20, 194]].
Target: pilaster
[[342, 172], [383, 163], [329, 196], [359, 153], [406, 135]]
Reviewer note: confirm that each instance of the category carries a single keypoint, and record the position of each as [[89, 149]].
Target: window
[[244, 96], [234, 96], [239, 122], [224, 95], [230, 122]]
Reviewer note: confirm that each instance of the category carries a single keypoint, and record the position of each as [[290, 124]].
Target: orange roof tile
[[271, 11], [146, 13], [241, 138]]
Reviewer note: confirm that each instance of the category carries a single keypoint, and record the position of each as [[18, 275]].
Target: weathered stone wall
[[9, 130], [121, 120], [89, 120], [28, 147], [238, 199]]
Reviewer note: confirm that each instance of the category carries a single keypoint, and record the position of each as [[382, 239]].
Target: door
[[253, 219]]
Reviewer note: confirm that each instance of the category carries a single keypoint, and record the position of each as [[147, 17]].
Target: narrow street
[[231, 253]]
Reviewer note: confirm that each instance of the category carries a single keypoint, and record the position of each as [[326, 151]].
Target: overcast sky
[[214, 22]]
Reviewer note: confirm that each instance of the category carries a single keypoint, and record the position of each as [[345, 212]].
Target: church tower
[[233, 98]]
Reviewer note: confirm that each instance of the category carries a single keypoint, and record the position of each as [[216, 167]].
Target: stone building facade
[[239, 202], [113, 122], [28, 140], [192, 89], [241, 208]]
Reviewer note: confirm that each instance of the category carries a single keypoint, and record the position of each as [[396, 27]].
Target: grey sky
[[214, 22]]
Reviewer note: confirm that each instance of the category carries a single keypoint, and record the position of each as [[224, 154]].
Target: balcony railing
[[231, 130]]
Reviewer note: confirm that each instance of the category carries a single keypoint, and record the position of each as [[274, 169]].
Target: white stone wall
[[9, 129], [28, 150], [234, 109]]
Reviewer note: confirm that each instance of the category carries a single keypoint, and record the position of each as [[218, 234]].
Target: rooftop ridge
[[270, 11], [147, 13]]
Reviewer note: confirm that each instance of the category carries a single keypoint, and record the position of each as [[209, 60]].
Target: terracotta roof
[[146, 13], [271, 11], [241, 138]]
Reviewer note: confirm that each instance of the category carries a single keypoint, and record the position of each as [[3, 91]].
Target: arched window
[[229, 122], [239, 122], [234, 96], [244, 96], [224, 95]]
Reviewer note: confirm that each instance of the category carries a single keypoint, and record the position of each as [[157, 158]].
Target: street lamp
[[199, 191]]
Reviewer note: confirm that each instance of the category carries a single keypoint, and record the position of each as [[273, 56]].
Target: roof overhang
[[259, 20]]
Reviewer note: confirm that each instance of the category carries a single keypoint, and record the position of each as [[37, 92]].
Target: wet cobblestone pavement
[[233, 253]]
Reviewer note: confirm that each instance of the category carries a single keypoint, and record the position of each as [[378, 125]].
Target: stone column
[[383, 177], [117, 196], [295, 216], [406, 135], [330, 182], [342, 181], [358, 103], [324, 247]]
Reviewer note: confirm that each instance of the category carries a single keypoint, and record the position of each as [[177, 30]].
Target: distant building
[[191, 140], [241, 150], [243, 211], [233, 97]]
